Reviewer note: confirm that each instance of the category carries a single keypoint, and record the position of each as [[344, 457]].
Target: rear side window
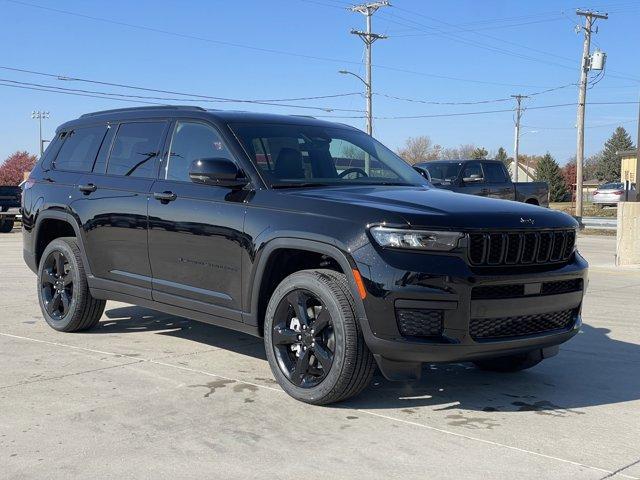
[[135, 149], [494, 173], [80, 148]]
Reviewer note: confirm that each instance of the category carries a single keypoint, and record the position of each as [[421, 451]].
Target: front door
[[195, 230]]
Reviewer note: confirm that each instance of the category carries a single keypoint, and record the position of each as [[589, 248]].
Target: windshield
[[291, 156], [611, 186], [443, 171]]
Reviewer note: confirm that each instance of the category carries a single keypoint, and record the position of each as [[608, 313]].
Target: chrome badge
[[528, 221]]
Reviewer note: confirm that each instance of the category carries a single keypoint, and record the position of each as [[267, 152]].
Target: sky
[[437, 55]]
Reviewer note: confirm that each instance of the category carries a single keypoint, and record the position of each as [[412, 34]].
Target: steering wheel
[[359, 171]]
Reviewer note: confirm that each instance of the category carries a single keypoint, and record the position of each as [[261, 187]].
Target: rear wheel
[[511, 363], [63, 293], [313, 341]]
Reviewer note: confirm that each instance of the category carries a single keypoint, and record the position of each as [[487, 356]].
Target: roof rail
[[136, 109]]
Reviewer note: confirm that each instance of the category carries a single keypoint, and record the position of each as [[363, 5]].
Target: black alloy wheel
[[56, 285], [303, 338]]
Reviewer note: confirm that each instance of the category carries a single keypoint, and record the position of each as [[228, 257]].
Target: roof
[[223, 116], [628, 153]]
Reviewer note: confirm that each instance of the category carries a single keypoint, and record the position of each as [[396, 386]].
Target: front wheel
[[511, 363], [313, 341], [63, 293]]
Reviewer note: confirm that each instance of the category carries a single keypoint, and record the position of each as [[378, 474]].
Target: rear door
[[112, 205], [497, 181], [195, 230]]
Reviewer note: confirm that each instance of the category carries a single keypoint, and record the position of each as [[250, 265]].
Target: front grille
[[515, 290], [496, 328], [420, 323], [521, 248]]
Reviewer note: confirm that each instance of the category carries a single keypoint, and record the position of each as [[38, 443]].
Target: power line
[[262, 49], [188, 96], [476, 102]]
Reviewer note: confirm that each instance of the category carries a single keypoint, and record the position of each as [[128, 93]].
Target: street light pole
[[40, 115]]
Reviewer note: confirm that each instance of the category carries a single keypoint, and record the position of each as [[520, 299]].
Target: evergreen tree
[[502, 155], [608, 168], [549, 171], [479, 153]]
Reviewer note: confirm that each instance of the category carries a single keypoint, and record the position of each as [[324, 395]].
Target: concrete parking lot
[[149, 395]]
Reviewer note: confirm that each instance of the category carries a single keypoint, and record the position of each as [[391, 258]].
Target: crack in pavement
[[609, 473], [57, 377], [617, 472]]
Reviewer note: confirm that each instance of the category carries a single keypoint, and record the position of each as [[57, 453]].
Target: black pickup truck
[[250, 221], [9, 198], [486, 178]]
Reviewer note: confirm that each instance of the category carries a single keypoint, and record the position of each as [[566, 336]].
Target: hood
[[433, 207]]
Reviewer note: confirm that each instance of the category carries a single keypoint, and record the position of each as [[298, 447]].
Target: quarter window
[[135, 148], [80, 148], [191, 141]]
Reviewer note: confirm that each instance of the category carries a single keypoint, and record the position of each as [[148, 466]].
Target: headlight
[[441, 241]]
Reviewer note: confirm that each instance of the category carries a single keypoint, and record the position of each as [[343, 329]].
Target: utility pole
[[590, 18], [40, 115], [368, 37], [516, 147]]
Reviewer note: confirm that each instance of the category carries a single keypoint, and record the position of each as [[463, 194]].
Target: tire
[[6, 225], [65, 300], [511, 363], [327, 296]]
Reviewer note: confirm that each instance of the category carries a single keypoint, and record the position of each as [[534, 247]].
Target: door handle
[[165, 197], [88, 188]]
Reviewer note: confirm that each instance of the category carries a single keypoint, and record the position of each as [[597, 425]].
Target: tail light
[[618, 192], [595, 193]]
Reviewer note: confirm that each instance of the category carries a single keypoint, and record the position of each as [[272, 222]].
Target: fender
[[345, 263], [69, 219]]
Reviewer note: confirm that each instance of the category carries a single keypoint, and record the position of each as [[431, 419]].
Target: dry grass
[[589, 210]]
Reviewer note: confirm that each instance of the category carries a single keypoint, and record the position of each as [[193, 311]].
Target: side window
[[191, 141], [472, 172], [494, 173], [135, 148], [79, 149]]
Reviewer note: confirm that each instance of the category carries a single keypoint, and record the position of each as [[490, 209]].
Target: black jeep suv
[[311, 234]]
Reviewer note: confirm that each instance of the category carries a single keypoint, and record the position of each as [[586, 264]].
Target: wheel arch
[[256, 300], [52, 224]]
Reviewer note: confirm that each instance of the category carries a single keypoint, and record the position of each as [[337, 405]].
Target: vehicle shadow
[[132, 319], [591, 369]]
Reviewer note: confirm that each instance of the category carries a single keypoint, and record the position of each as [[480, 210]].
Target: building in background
[[629, 166], [525, 174]]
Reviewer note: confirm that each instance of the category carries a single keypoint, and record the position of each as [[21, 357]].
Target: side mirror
[[424, 172], [217, 171], [473, 178]]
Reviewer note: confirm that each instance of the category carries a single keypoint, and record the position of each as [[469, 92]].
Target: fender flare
[[67, 218], [332, 251]]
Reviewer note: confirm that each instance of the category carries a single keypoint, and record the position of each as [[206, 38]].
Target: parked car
[[9, 198], [244, 220], [612, 193], [486, 178]]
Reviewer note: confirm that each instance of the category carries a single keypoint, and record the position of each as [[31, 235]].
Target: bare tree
[[419, 149], [463, 152]]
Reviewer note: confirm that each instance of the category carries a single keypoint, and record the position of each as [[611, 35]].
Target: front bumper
[[445, 283]]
